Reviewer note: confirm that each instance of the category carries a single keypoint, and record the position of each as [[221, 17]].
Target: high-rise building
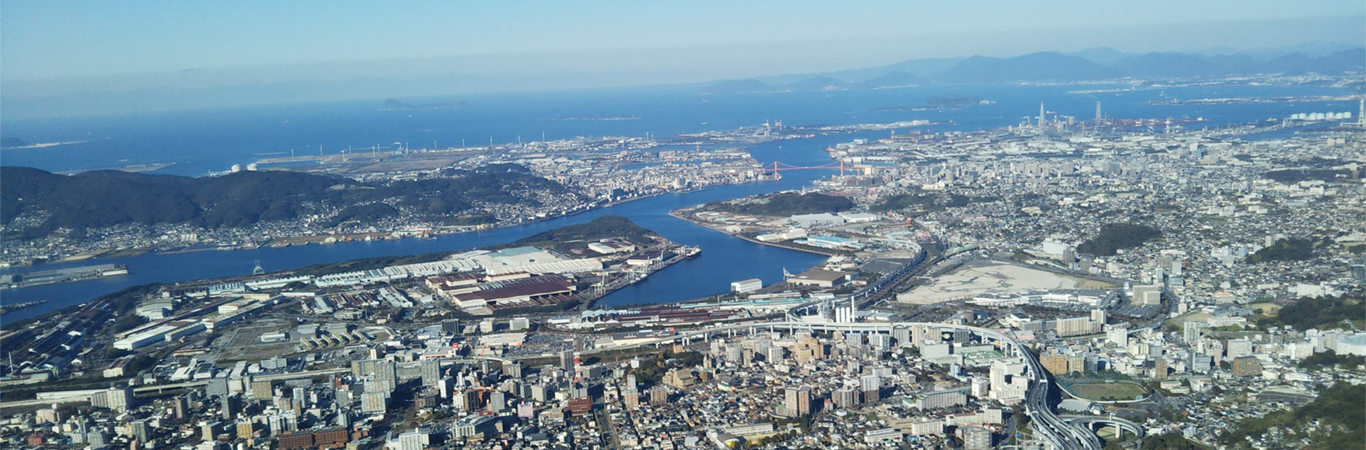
[[941, 399], [872, 388], [976, 438], [451, 326], [798, 401], [413, 440], [283, 422], [1238, 347], [182, 408], [659, 396], [116, 398], [1247, 366], [498, 400], [209, 431], [567, 360], [1073, 326], [431, 372], [245, 429], [845, 397], [374, 402], [262, 390], [902, 336], [1118, 336], [96, 439], [231, 405], [918, 334], [141, 430], [216, 387], [541, 392], [1191, 331], [1054, 364]]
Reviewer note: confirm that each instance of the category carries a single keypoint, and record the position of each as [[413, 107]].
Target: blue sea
[[196, 143]]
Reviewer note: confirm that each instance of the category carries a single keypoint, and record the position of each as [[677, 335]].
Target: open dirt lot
[[980, 277]]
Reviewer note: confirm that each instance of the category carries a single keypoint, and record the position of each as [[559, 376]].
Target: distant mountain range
[[1094, 64]]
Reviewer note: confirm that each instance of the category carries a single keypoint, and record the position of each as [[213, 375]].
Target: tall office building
[[141, 430], [567, 360], [231, 405], [182, 408], [431, 372], [262, 390]]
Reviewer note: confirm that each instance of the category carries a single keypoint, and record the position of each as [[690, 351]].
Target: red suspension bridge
[[781, 167]]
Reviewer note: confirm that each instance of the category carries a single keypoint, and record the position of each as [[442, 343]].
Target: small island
[[12, 142], [952, 101], [939, 102], [597, 118]]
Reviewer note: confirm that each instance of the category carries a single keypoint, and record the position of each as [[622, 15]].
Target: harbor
[[63, 275]]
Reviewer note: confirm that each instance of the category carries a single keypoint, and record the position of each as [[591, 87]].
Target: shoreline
[[682, 216], [345, 238]]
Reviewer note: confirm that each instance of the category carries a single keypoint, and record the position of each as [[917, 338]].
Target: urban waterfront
[[726, 258]]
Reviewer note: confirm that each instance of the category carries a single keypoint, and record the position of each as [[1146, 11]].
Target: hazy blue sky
[[91, 57], [43, 39]]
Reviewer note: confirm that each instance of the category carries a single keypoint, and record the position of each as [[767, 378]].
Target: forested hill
[[106, 198], [784, 204]]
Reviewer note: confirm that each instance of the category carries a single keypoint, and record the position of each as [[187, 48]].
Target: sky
[[53, 48]]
